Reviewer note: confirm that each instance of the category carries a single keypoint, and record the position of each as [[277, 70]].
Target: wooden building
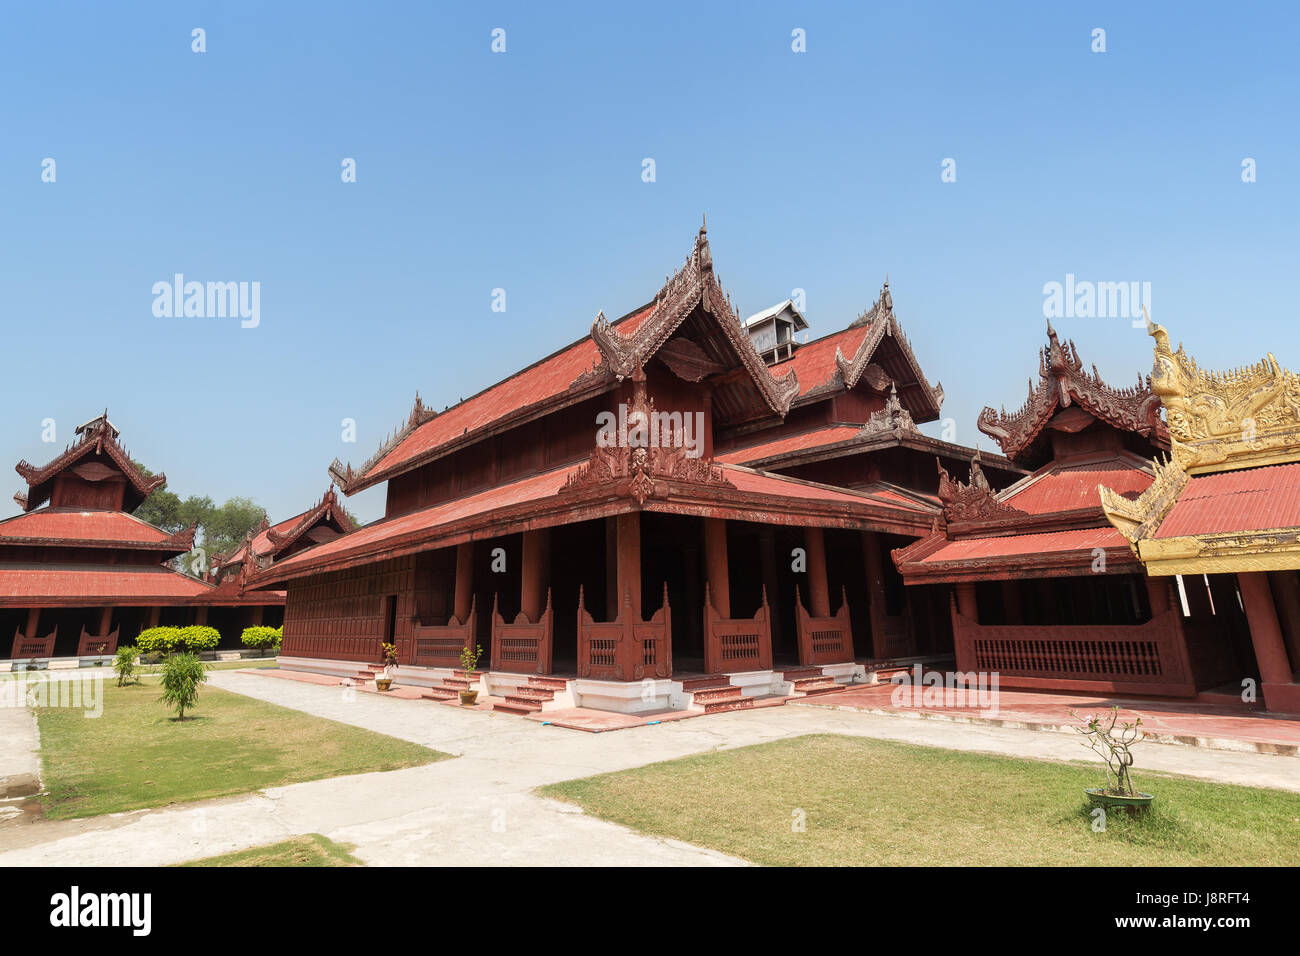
[[78, 572], [1045, 592], [1224, 509], [653, 515]]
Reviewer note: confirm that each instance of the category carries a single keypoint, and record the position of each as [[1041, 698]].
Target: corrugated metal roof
[[1072, 487], [1049, 542], [816, 438], [65, 524], [24, 582], [1251, 499]]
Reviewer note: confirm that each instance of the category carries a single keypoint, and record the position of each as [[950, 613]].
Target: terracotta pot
[[467, 697], [383, 683], [1099, 798]]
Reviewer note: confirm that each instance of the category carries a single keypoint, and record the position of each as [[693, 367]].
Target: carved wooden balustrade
[[893, 637], [523, 647], [439, 645], [824, 640], [89, 644], [625, 648], [28, 647], [737, 644], [1148, 657]]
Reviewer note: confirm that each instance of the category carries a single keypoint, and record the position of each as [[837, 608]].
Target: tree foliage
[[182, 676]]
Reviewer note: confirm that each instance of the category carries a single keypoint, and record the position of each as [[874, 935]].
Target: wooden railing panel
[[737, 644], [625, 649], [824, 640], [90, 644], [25, 648], [434, 645], [1143, 655], [522, 647]]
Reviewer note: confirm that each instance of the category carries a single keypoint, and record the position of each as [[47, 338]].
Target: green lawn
[[311, 849], [138, 755], [874, 802]]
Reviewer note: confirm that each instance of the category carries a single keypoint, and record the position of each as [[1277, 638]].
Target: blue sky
[[522, 171]]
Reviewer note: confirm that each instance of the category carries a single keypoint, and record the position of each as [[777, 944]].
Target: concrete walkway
[[20, 763], [478, 809]]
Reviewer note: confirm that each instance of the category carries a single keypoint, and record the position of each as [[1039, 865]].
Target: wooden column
[[33, 622], [612, 597], [715, 565], [534, 573], [1011, 602], [464, 598], [1158, 594], [966, 603], [875, 590], [767, 555], [629, 560], [155, 615], [200, 617], [819, 597], [1286, 595], [1265, 632], [257, 615], [105, 621]]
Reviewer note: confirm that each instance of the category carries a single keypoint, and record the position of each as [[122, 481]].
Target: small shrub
[[124, 665], [262, 638], [469, 658], [158, 640], [181, 677], [199, 637]]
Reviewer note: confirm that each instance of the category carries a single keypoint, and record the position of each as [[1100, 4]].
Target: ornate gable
[[96, 437], [343, 475], [881, 323], [1062, 383], [694, 284], [1221, 420]]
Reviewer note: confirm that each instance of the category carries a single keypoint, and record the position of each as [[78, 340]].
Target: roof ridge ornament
[[1063, 382]]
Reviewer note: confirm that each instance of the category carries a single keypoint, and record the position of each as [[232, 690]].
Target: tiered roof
[[96, 438], [1050, 523]]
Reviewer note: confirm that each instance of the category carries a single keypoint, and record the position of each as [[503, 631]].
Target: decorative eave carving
[[881, 322], [1062, 382], [97, 436], [183, 539], [344, 474], [326, 509], [973, 501], [1138, 518], [694, 284], [893, 417], [1222, 420], [641, 471]]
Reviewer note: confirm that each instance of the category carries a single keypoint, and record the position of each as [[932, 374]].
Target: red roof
[[1018, 545], [542, 491], [64, 525], [96, 585], [816, 438], [1056, 488], [546, 379], [1251, 499], [815, 362]]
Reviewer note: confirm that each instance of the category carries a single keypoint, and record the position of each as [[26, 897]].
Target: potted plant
[[385, 678], [1101, 737], [469, 663]]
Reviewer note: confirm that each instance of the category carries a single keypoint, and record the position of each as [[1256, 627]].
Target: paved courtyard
[[479, 809]]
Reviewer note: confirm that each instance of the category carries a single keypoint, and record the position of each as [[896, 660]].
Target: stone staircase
[[529, 698], [809, 681], [451, 686], [714, 693], [366, 674]]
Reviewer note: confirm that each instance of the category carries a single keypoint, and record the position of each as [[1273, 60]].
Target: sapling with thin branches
[[1101, 737]]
